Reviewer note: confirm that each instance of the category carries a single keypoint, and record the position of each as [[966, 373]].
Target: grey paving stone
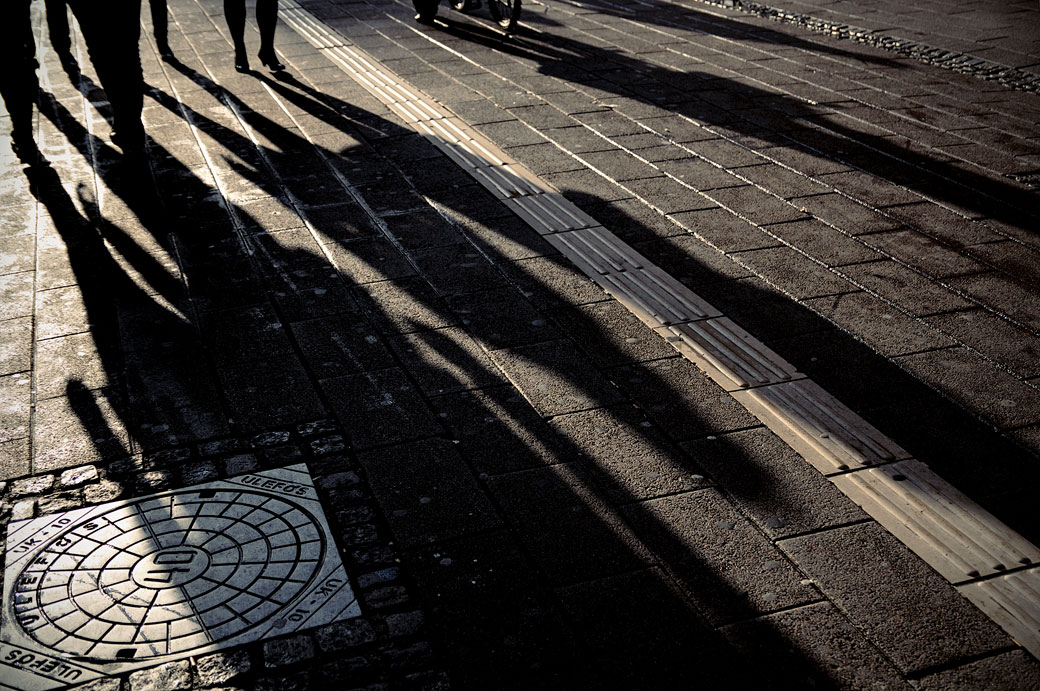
[[1017, 259], [815, 646], [913, 292], [761, 309], [219, 668], [286, 651], [245, 334], [507, 239], [781, 492], [570, 532], [924, 253], [584, 186], [680, 399], [269, 214], [342, 222], [15, 457], [494, 615], [512, 133], [501, 318], [18, 219], [16, 253], [15, 406], [339, 345], [620, 165], [724, 230], [270, 393], [1013, 670], [794, 273], [368, 260], [641, 634], [867, 187], [59, 312], [422, 229], [498, 431], [668, 196], [1002, 294], [1007, 344], [427, 492], [877, 323], [611, 335], [845, 214], [546, 158], [609, 439], [824, 243], [609, 123], [759, 207], [84, 427], [456, 269], [555, 377], [446, 360], [633, 220], [405, 305], [579, 139], [783, 182], [941, 223], [900, 604], [992, 393], [730, 570], [550, 282], [379, 408], [166, 677]]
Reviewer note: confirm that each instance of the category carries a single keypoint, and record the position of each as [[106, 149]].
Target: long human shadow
[[771, 117], [533, 619], [331, 111]]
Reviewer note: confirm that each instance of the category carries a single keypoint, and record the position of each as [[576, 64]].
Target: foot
[[269, 59], [241, 61], [164, 50], [426, 19]]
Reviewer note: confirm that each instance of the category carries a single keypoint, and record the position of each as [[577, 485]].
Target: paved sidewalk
[[1001, 32], [529, 488]]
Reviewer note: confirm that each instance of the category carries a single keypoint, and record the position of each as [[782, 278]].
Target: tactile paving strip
[[951, 533], [106, 589]]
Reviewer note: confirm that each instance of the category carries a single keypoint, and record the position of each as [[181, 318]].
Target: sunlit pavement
[[527, 485]]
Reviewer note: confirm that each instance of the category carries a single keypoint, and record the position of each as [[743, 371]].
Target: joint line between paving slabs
[[987, 562]]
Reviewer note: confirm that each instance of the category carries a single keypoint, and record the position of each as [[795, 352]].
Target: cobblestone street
[[656, 345]]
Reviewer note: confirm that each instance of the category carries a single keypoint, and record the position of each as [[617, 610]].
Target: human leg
[[235, 16]]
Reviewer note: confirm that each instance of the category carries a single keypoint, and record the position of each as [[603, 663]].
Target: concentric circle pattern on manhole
[[132, 583]]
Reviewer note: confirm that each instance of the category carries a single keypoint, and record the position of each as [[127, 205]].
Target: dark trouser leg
[[19, 86], [266, 20], [112, 31], [58, 27], [160, 23]]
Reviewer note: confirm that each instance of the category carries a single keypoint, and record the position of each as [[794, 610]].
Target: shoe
[[269, 59], [425, 18], [241, 61], [164, 50]]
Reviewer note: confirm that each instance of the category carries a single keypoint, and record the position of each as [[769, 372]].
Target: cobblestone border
[[1011, 77]]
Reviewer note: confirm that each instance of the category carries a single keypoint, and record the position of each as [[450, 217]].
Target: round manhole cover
[[167, 574]]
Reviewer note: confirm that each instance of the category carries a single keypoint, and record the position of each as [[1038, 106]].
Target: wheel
[[505, 12]]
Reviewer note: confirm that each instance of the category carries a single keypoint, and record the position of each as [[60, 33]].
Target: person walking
[[266, 20], [20, 85]]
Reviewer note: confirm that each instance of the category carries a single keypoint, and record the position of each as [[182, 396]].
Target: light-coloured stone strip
[[954, 535]]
